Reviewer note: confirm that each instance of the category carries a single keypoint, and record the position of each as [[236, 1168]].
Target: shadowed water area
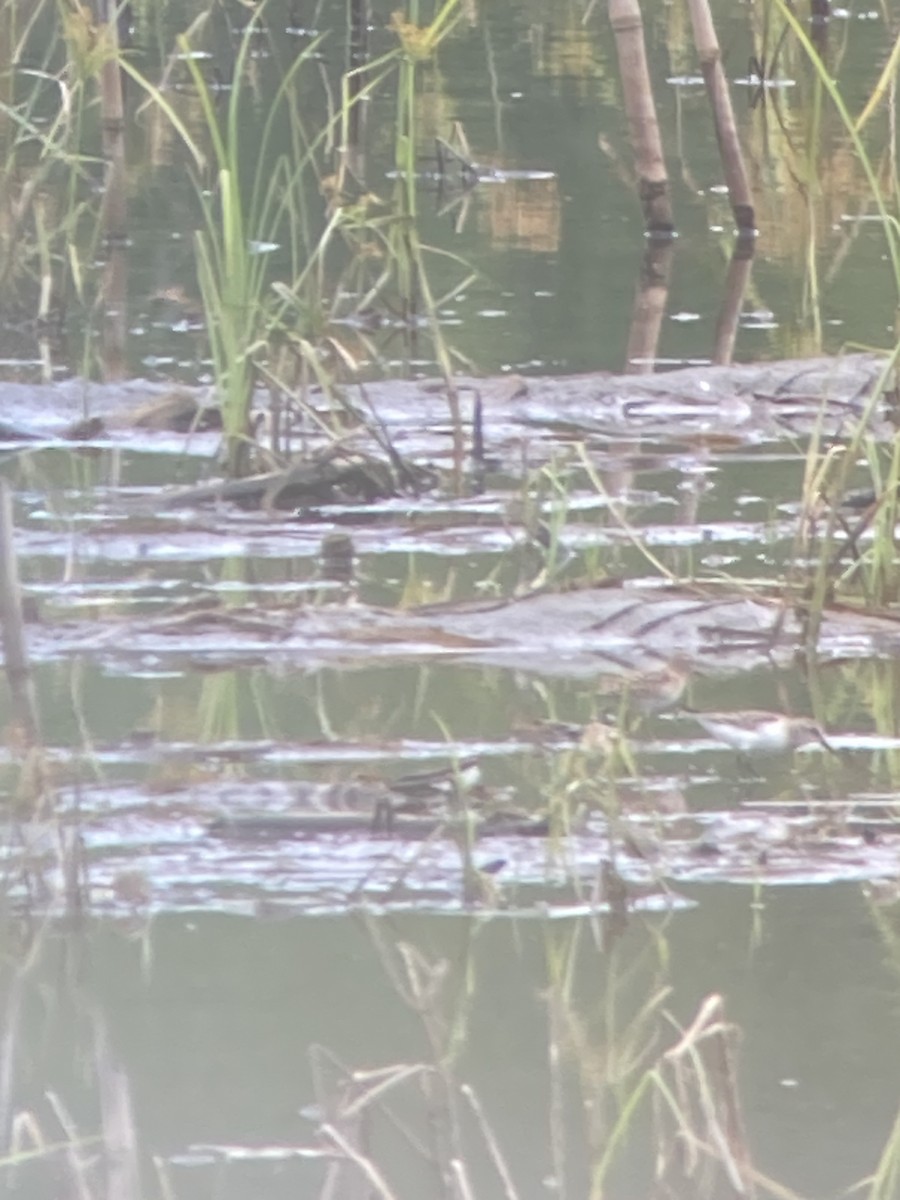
[[390, 820]]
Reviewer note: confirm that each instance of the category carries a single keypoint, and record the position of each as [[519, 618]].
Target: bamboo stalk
[[723, 115], [643, 126], [819, 24], [359, 17], [114, 212]]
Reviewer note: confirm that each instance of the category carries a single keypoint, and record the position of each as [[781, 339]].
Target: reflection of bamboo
[[642, 349], [723, 114], [643, 127], [819, 24], [12, 624], [114, 328], [7, 57], [730, 311], [649, 307]]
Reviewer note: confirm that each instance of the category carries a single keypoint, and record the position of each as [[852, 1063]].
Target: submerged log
[[12, 433], [381, 823], [332, 476], [583, 632], [178, 411], [726, 397]]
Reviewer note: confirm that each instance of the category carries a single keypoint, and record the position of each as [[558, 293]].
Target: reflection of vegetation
[[622, 1098], [608, 1071]]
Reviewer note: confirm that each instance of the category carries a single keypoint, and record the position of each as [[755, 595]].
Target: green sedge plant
[[872, 574]]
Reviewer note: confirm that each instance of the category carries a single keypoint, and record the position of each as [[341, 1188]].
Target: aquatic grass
[[218, 710], [622, 522], [602, 1041], [826, 82], [540, 509], [884, 1183], [700, 1129], [251, 312], [12, 626], [42, 1139], [881, 577], [244, 304], [874, 573], [607, 1072], [691, 1089], [65, 235], [232, 247], [32, 790], [407, 253], [355, 1100], [35, 151], [556, 482], [265, 261], [886, 763], [441, 1001]]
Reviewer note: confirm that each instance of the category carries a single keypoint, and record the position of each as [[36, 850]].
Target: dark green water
[[216, 1021], [558, 255], [210, 998]]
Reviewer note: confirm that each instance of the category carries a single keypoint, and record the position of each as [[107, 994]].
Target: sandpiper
[[755, 731], [453, 781], [652, 691], [417, 791], [659, 685], [422, 791]]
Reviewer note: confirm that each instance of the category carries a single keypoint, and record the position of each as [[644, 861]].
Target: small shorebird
[[423, 791], [417, 791], [755, 731], [660, 685], [652, 691], [423, 787]]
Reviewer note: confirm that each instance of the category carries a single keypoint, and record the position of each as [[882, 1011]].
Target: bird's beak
[[820, 737]]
